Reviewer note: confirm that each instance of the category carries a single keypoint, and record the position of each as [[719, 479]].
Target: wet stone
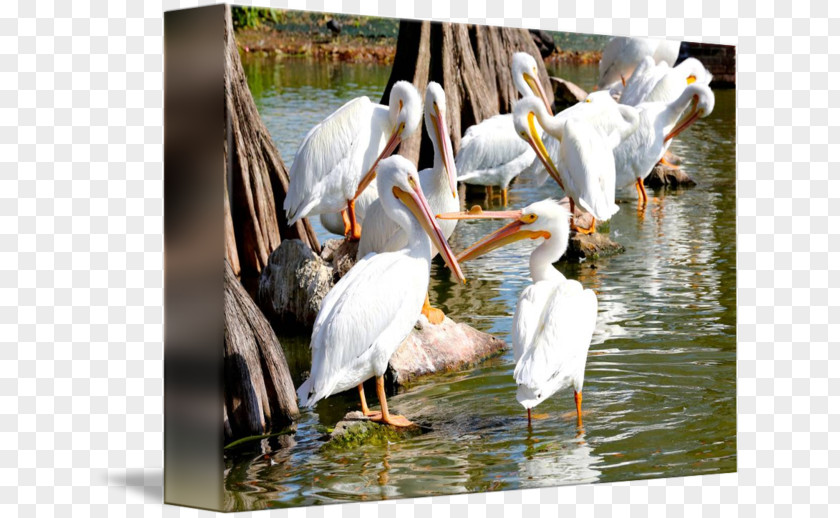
[[355, 430]]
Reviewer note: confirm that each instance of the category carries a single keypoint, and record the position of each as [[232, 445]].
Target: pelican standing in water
[[383, 234], [371, 310], [490, 153], [555, 317], [586, 134], [337, 159], [659, 123]]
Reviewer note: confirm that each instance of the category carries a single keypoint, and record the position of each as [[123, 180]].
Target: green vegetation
[[254, 17]]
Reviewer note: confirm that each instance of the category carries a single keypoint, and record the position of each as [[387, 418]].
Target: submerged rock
[[590, 247], [446, 347], [355, 430], [664, 176]]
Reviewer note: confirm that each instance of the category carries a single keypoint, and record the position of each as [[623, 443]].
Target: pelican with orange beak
[[581, 158], [370, 311], [555, 317], [336, 162], [659, 123], [383, 234], [490, 153]]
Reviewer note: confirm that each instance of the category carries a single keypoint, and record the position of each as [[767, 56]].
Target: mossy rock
[[356, 430]]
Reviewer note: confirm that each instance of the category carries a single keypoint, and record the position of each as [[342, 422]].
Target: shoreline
[[353, 49]]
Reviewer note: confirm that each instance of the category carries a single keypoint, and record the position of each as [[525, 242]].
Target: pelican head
[[700, 101], [438, 131], [526, 77], [694, 71], [404, 111], [545, 219], [600, 96], [398, 176], [525, 113]]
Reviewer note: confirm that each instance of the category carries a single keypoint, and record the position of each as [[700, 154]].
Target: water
[[659, 394]]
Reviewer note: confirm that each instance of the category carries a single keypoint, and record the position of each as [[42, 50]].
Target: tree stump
[[259, 393], [255, 177], [471, 63]]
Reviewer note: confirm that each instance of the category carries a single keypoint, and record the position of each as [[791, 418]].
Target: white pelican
[[369, 312], [490, 153], [585, 135], [381, 233], [337, 159], [659, 123], [555, 316], [623, 54]]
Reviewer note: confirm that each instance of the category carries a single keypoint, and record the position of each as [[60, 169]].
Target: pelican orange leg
[[355, 228], [387, 417], [365, 410], [640, 190], [434, 315], [578, 406]]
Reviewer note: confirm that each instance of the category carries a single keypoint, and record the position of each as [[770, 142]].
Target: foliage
[[253, 17]]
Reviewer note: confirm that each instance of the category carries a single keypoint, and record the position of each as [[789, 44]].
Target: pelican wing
[[555, 353], [379, 232], [368, 307], [327, 152], [489, 145], [591, 168], [643, 80]]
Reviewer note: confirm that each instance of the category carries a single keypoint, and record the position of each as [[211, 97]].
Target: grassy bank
[[362, 39]]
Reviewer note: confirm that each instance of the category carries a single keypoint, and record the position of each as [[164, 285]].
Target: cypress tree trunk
[[256, 178], [259, 393]]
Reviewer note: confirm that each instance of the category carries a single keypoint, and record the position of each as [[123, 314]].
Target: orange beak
[[536, 87], [536, 143], [370, 175], [684, 122], [445, 146], [417, 204], [510, 233]]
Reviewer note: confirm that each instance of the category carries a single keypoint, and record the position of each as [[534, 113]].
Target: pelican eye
[[528, 218], [588, 101], [411, 182]]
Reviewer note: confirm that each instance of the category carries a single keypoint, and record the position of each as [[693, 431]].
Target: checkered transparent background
[[81, 284]]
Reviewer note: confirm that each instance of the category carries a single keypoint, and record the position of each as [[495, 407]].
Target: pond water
[[659, 394]]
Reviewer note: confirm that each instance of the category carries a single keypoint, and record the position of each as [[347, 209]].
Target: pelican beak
[[445, 146], [684, 122], [538, 90], [536, 143], [512, 232], [417, 204], [370, 175]]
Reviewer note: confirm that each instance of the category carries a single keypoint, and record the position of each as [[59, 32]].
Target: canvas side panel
[[194, 122]]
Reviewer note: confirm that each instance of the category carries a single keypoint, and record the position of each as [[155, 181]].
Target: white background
[[81, 258]]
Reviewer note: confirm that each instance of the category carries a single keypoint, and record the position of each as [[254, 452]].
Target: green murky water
[[660, 379]]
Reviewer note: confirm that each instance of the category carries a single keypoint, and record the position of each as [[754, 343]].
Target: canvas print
[[463, 258]]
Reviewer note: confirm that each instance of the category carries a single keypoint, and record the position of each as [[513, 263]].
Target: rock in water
[[293, 284], [664, 176], [355, 430], [446, 347], [566, 93], [590, 247]]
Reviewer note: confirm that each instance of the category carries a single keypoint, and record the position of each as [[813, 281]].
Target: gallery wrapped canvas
[[409, 258]]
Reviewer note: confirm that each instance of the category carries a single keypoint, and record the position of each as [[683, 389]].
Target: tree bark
[[259, 392], [471, 63], [256, 178]]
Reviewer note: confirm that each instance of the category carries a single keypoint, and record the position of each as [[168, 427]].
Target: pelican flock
[[343, 171]]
